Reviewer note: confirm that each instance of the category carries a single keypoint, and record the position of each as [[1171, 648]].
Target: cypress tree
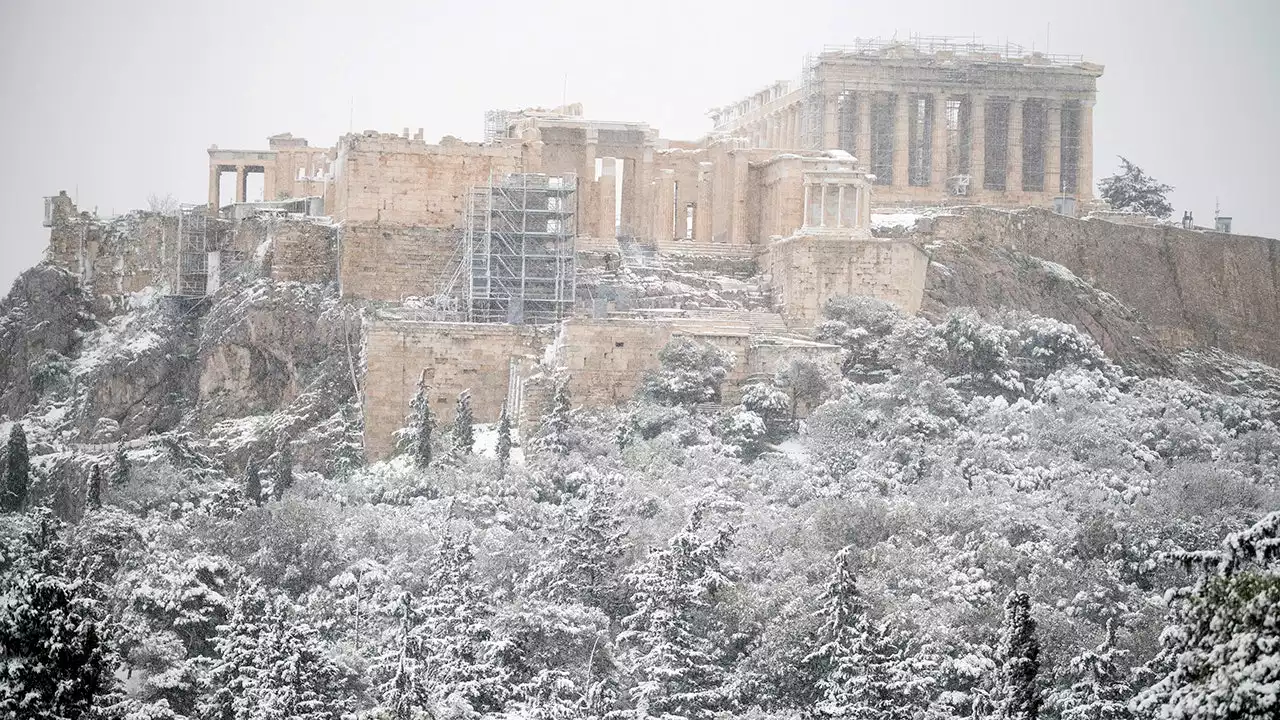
[[1016, 694], [93, 498], [464, 438], [120, 466], [419, 424], [253, 483], [17, 472], [504, 441], [281, 463], [1101, 691], [556, 424]]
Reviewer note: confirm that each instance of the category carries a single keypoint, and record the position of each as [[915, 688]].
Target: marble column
[[1053, 147], [242, 183], [215, 196], [863, 139], [901, 141], [939, 140], [1085, 182], [977, 143], [1013, 173]]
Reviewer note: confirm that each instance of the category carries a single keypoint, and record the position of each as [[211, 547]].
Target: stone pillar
[[939, 159], [702, 211], [808, 213], [664, 202], [1053, 147], [830, 121], [863, 139], [269, 189], [1013, 174], [242, 183], [977, 143], [1085, 182], [901, 141], [215, 195], [607, 192]]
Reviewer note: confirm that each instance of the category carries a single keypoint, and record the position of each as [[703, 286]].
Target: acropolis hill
[[560, 243]]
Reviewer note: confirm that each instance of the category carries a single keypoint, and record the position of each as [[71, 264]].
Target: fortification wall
[[393, 179], [808, 269], [1192, 288], [302, 250], [455, 356], [114, 257], [391, 262]]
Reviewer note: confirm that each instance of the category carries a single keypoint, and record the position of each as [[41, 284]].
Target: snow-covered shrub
[[691, 372]]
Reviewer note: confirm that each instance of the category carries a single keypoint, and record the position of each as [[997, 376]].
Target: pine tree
[[1221, 656], [120, 467], [1133, 189], [460, 659], [235, 675], [17, 471], [555, 425], [404, 693], [860, 674], [464, 438], [280, 465], [56, 663], [418, 425], [504, 442], [670, 641], [583, 561], [1101, 692], [93, 497], [253, 483], [1017, 697]]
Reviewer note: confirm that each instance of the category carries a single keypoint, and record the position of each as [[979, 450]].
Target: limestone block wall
[[808, 269], [1193, 288], [455, 356], [114, 257], [391, 262], [304, 252], [395, 179]]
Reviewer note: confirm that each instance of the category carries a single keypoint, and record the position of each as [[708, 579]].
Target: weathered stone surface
[[40, 324]]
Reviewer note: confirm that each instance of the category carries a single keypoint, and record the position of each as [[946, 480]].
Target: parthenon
[[937, 119]]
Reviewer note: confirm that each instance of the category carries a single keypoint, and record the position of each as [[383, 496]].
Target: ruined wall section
[[455, 356], [113, 257], [807, 269], [1192, 288], [392, 262], [291, 249], [391, 179]]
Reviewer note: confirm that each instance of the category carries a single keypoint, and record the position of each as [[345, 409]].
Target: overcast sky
[[113, 101]]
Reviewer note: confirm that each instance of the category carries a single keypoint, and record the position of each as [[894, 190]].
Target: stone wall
[[807, 269], [301, 249], [1192, 288], [114, 257], [394, 179], [455, 356], [391, 262]]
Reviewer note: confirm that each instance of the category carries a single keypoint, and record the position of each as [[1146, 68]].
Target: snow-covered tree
[[54, 660], [415, 437], [120, 467], [745, 431], [772, 405], [1101, 690], [1133, 189], [555, 424], [1222, 644], [503, 449], [859, 673], [17, 471], [1017, 696], [280, 466], [93, 493], [805, 381], [670, 641], [464, 438], [583, 561], [253, 482], [690, 372], [862, 326]]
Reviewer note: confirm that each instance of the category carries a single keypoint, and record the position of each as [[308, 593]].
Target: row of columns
[[782, 129], [830, 205], [242, 181]]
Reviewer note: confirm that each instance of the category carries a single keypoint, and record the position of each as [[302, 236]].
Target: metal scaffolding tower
[[201, 238], [519, 242]]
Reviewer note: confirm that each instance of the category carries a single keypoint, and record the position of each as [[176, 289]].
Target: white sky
[[116, 100]]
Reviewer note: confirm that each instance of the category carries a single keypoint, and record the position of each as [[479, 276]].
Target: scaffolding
[[1070, 167], [519, 244], [996, 155], [1035, 133], [495, 124], [812, 105], [200, 251]]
